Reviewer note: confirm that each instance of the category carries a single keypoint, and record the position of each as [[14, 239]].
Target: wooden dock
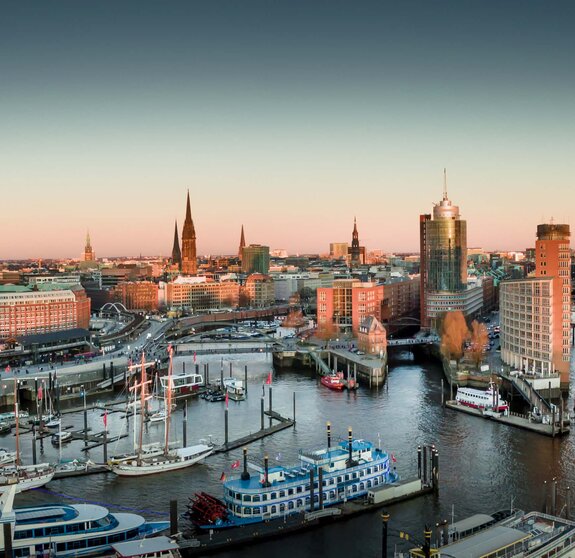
[[519, 421]]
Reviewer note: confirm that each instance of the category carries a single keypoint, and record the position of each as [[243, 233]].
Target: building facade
[[137, 295], [43, 309], [443, 245], [536, 312], [260, 290], [338, 250], [256, 259], [372, 337], [201, 295], [189, 264]]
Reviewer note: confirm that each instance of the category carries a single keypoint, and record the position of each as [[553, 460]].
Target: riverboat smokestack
[[245, 474], [329, 435], [350, 461], [266, 482]]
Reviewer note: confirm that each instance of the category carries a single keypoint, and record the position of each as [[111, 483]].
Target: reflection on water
[[482, 464]]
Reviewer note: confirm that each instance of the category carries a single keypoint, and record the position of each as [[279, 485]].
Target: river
[[483, 465]]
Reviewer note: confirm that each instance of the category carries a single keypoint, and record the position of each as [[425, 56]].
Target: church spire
[[189, 261], [242, 243], [176, 253]]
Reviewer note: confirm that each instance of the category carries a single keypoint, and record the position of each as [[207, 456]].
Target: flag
[[227, 399], [194, 357], [269, 378], [40, 393], [236, 464], [223, 477], [105, 418], [393, 458], [8, 369]]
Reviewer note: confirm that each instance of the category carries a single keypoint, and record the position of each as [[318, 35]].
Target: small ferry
[[333, 381], [323, 478], [183, 385], [235, 389], [70, 530], [59, 438], [486, 400]]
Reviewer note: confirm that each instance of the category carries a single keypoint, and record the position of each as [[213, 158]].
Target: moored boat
[[235, 389], [323, 478], [485, 400], [333, 381], [64, 530], [25, 477], [182, 385]]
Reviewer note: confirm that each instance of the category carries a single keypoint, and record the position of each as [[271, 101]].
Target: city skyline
[[289, 119]]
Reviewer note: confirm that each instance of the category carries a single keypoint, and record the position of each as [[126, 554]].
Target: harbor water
[[484, 466]]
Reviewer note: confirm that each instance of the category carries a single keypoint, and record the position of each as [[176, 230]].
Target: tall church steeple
[[189, 261], [242, 243], [88, 255], [355, 250], [176, 253]]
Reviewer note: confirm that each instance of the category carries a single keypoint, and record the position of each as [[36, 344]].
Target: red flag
[[194, 357], [236, 464], [223, 477], [40, 393], [105, 418], [393, 458], [227, 398], [269, 378], [8, 369]]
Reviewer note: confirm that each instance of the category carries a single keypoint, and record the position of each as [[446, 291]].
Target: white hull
[[28, 484], [157, 465]]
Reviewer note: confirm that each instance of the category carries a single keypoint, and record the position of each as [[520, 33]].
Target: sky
[[289, 117]]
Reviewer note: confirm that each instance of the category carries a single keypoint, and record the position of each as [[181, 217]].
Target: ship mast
[[16, 412], [142, 408], [168, 401]]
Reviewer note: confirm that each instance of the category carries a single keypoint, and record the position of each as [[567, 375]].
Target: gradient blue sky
[[289, 117]]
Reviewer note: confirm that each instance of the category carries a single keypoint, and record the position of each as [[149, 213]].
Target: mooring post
[[294, 407], [207, 365], [246, 379], [226, 426], [554, 497], [311, 490], [34, 458], [385, 519], [442, 394], [185, 425], [545, 508], [184, 366], [568, 503], [262, 402], [435, 471], [271, 401], [222, 374], [105, 444], [245, 473], [424, 463], [231, 373], [427, 542], [419, 462], [320, 487], [8, 550], [173, 517], [104, 371]]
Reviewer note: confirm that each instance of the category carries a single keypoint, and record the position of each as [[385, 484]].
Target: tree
[[479, 338], [454, 335], [244, 300], [326, 331]]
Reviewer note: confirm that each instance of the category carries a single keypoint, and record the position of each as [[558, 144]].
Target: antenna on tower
[[444, 184]]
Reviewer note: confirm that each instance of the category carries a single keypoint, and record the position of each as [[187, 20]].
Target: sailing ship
[[23, 477], [70, 530], [322, 478], [170, 459]]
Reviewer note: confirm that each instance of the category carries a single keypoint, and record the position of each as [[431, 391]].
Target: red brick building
[[137, 295]]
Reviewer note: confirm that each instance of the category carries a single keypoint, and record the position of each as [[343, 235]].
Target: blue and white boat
[[69, 530], [323, 478]]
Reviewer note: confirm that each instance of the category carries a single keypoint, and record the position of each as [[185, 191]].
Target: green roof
[[14, 288]]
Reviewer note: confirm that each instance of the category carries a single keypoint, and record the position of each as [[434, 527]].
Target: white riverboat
[[484, 400], [70, 530], [182, 385], [235, 389]]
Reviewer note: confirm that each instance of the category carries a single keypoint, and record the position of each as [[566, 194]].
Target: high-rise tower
[[443, 243], [88, 255], [176, 253], [189, 261], [242, 243]]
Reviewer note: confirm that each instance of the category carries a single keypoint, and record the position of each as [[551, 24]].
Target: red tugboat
[[333, 381]]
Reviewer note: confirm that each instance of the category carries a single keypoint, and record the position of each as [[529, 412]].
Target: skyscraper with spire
[[242, 243], [88, 255], [176, 253], [189, 260]]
